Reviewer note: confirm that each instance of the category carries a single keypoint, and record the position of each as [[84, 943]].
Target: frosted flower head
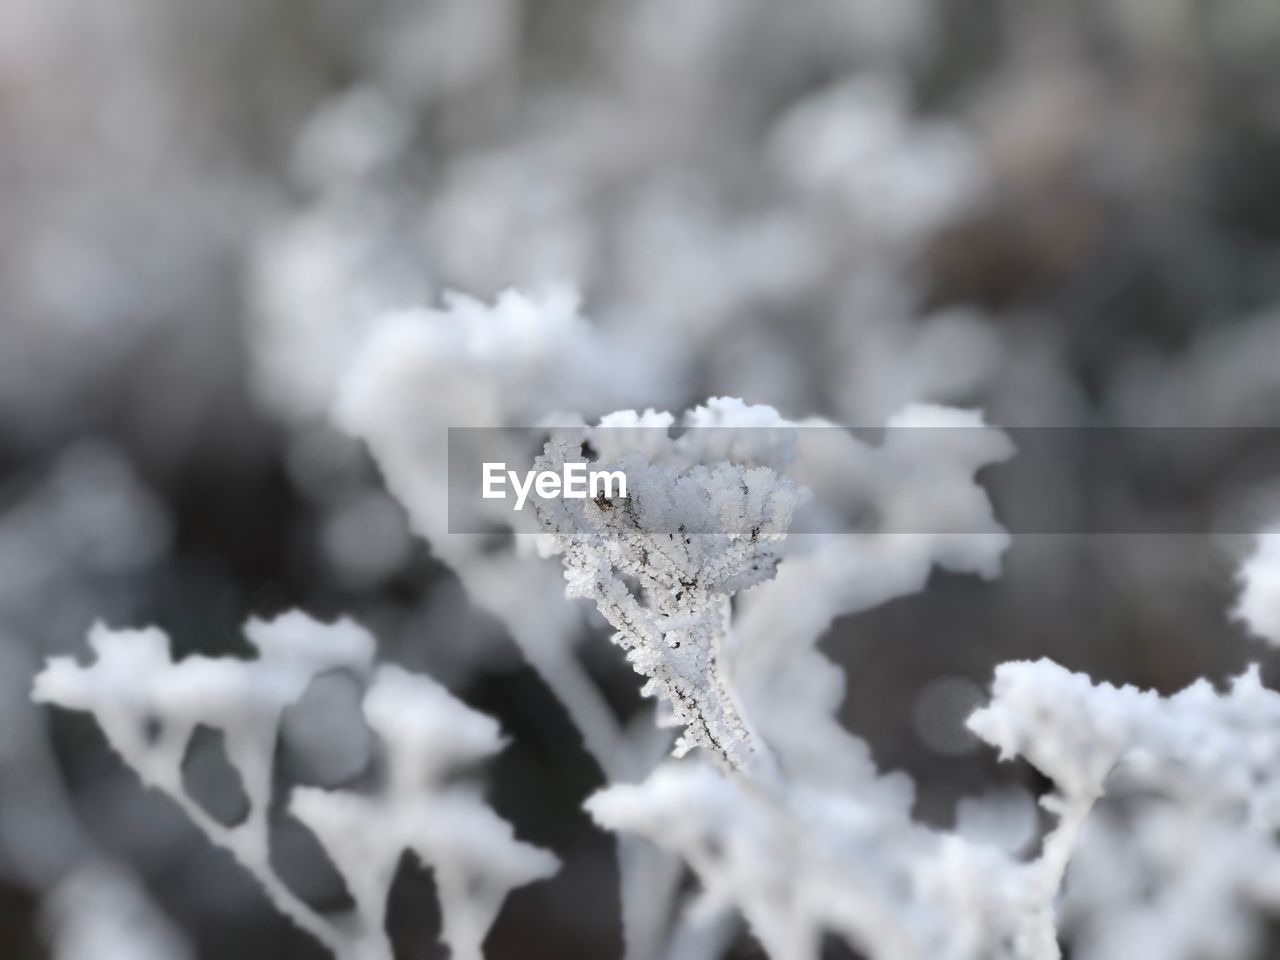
[[662, 562]]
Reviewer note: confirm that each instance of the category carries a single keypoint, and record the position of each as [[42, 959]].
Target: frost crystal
[[662, 564], [149, 706]]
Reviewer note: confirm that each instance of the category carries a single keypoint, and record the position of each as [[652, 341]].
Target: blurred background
[[1067, 214]]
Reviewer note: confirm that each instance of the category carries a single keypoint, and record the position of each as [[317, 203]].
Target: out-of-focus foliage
[[150, 707]]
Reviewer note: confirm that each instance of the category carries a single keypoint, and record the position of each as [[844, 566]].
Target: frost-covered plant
[[689, 535], [825, 205], [798, 862], [519, 361], [150, 706], [753, 687], [1195, 775], [1198, 746], [720, 607], [1181, 794], [797, 858], [1158, 878], [705, 520], [810, 840]]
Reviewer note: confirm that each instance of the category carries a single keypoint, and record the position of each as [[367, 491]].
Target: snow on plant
[[1199, 764], [814, 840], [719, 606], [798, 858], [149, 707], [476, 860], [723, 480], [519, 361], [798, 862], [1197, 746], [515, 362], [1159, 878], [690, 535], [668, 600], [1178, 858], [793, 828]]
